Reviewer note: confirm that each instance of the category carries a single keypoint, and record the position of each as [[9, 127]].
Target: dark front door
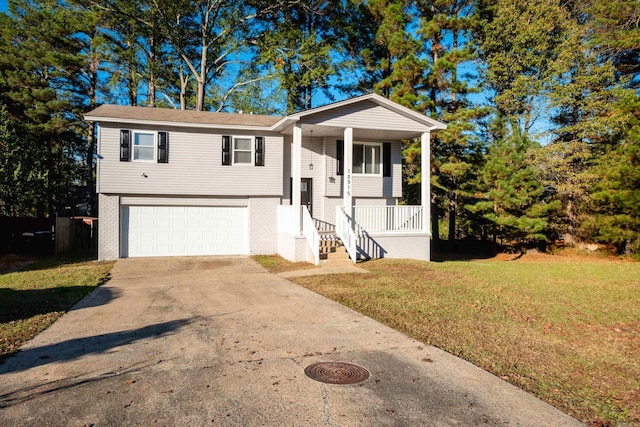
[[305, 193]]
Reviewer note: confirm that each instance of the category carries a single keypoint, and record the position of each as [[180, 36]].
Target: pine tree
[[299, 43], [615, 196], [35, 48], [446, 30], [616, 34], [511, 197]]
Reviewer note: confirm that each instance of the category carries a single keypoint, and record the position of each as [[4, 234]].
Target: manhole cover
[[336, 373]]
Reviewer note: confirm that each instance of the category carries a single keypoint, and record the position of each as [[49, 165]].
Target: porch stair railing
[[345, 231], [310, 233]]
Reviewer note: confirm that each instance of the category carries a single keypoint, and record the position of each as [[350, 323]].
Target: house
[[173, 182]]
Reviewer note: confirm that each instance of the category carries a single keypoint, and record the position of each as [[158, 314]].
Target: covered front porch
[[365, 216]]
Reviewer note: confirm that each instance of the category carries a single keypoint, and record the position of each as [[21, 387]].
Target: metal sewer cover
[[336, 373]]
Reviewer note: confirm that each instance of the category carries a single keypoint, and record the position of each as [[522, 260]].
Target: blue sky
[[319, 98]]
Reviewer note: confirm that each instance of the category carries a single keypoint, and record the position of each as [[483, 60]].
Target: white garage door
[[184, 230]]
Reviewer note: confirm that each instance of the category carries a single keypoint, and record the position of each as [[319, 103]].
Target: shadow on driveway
[[72, 349]]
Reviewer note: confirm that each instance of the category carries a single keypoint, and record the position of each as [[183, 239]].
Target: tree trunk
[[200, 95], [152, 67], [184, 78], [91, 139], [435, 234], [202, 78], [453, 204]]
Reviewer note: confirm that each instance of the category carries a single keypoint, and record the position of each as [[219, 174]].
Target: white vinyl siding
[[365, 115], [194, 168], [184, 230]]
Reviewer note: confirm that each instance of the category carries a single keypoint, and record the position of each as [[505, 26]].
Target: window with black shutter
[[340, 157], [226, 150], [259, 161], [386, 159], [125, 145], [163, 147]]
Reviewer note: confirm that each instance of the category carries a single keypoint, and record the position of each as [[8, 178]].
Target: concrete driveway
[[220, 341]]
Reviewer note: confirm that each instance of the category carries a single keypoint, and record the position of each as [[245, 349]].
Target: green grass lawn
[[33, 298], [567, 332]]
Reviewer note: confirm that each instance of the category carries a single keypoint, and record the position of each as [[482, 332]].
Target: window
[[144, 146], [367, 158], [243, 151]]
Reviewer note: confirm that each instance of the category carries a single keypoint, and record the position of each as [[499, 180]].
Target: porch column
[[425, 187], [347, 197], [296, 173]]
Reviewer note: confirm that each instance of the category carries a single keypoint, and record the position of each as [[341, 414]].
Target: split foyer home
[[173, 182]]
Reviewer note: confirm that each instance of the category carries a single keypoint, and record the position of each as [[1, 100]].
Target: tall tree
[[616, 34], [299, 44], [615, 196], [510, 196], [36, 48], [384, 53], [522, 44], [446, 31]]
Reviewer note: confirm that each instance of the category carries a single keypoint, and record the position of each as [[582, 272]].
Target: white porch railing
[[346, 233], [375, 219], [311, 234]]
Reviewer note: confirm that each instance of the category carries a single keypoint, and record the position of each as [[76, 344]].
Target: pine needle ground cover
[[32, 299], [567, 332]]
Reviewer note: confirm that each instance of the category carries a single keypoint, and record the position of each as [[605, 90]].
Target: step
[[336, 261]]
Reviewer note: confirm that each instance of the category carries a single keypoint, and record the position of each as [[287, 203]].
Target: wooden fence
[[47, 236]]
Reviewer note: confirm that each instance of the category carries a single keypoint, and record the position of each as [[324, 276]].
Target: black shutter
[[125, 145], [259, 151], [340, 157], [163, 147], [226, 150], [386, 159]]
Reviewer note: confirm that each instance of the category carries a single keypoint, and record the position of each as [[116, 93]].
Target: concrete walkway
[[220, 341], [323, 269]]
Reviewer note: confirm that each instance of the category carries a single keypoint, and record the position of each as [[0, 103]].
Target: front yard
[[564, 330], [41, 291]]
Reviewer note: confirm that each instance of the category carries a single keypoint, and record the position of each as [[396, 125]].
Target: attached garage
[[184, 230]]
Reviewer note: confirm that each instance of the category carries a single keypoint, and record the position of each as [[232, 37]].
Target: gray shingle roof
[[170, 115]]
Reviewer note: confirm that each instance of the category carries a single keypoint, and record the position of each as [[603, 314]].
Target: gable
[[364, 115]]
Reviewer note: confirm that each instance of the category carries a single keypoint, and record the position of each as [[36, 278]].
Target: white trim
[[176, 124], [425, 184], [252, 150], [347, 176], [132, 143], [296, 174], [324, 175], [286, 121], [384, 102]]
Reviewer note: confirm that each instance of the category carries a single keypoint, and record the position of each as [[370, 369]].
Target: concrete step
[[324, 248], [335, 262], [337, 257]]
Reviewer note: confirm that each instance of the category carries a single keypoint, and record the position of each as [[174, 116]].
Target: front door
[[306, 194]]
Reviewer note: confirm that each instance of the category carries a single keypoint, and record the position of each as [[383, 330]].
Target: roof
[[174, 117], [373, 97], [170, 116]]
